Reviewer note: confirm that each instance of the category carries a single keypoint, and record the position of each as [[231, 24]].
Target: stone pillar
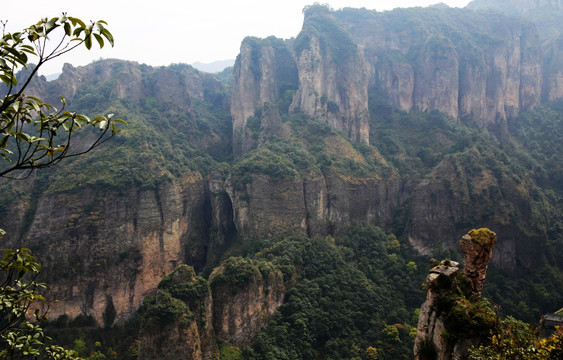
[[477, 246]]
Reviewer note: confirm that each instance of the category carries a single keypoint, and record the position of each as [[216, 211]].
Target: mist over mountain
[[215, 66], [287, 208]]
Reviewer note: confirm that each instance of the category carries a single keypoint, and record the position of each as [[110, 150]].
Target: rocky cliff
[[110, 251], [264, 71], [454, 316], [245, 297], [423, 59], [186, 315], [183, 327], [546, 16], [167, 191]]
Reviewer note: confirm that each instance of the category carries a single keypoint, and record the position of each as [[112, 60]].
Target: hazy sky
[[161, 32]]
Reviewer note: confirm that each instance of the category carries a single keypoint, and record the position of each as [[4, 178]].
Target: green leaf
[[108, 36], [120, 121], [67, 28], [100, 40], [88, 42]]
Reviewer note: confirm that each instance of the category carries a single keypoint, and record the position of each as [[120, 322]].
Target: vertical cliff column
[[263, 71], [477, 246], [448, 324], [333, 77]]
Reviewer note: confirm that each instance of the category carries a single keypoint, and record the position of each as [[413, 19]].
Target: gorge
[[327, 167]]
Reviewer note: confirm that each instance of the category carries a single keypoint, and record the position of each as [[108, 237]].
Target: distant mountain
[[52, 77], [215, 66], [515, 7]]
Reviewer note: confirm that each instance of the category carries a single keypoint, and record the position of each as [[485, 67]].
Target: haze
[[171, 31]]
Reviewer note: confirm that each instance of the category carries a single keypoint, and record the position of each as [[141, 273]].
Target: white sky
[[161, 32]]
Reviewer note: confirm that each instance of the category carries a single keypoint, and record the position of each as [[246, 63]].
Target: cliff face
[[332, 82], [460, 191], [110, 251], [190, 335], [453, 317], [242, 307], [263, 72], [432, 59], [546, 15]]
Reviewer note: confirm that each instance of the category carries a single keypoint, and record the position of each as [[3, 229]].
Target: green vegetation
[[516, 340], [334, 40], [340, 303], [484, 237], [465, 316], [29, 128]]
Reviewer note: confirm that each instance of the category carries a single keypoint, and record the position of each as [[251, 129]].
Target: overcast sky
[[161, 32]]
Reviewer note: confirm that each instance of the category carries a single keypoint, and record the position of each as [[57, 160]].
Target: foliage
[[465, 316], [516, 340], [237, 271], [334, 40], [160, 309], [229, 352], [280, 160], [339, 302], [180, 295], [19, 294], [184, 285], [29, 126]]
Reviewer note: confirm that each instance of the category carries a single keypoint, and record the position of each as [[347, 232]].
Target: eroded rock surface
[[453, 297]]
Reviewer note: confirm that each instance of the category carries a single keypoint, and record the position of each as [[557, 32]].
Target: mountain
[[546, 16], [213, 67], [328, 169]]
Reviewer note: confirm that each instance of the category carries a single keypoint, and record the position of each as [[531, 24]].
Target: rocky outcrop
[[435, 59], [448, 324], [435, 64], [111, 251], [263, 72], [313, 206], [477, 246], [190, 336], [244, 299], [462, 190], [332, 82], [546, 15], [186, 315]]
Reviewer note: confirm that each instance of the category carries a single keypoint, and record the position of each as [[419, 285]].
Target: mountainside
[[476, 66], [426, 123], [546, 16]]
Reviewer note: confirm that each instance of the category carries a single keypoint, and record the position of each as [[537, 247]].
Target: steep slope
[[478, 67], [118, 220], [546, 15], [198, 176], [454, 316]]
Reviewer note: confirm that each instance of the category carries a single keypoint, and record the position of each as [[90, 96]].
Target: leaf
[[120, 121], [67, 28], [108, 36], [88, 42], [76, 21], [99, 39], [4, 141]]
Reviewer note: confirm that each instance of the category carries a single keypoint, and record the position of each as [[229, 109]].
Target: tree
[[33, 135], [516, 340]]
